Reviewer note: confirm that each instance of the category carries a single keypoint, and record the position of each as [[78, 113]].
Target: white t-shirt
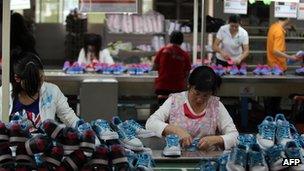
[[104, 57], [229, 44]]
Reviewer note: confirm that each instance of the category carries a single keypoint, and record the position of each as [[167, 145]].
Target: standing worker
[[173, 66], [276, 56], [231, 42]]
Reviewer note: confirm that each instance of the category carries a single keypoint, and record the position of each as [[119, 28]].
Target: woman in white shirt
[[196, 114], [231, 42], [92, 51]]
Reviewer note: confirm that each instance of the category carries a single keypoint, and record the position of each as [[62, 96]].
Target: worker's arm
[[216, 48]]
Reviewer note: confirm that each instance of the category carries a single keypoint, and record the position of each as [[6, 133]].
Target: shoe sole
[[228, 167], [109, 137], [277, 165], [146, 135], [120, 160], [132, 147], [144, 168], [172, 153]]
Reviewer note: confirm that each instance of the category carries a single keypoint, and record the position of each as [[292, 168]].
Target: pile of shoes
[[276, 140], [266, 70], [99, 145]]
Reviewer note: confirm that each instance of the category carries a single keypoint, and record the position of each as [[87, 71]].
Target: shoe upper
[[275, 153], [238, 155], [265, 70], [172, 141], [234, 70], [101, 126], [86, 133], [267, 128], [55, 152], [144, 160], [246, 140], [292, 150], [3, 132], [208, 166], [283, 131], [257, 70], [256, 157]]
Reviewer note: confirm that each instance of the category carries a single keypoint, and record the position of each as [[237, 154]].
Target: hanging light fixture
[[251, 1], [267, 2]]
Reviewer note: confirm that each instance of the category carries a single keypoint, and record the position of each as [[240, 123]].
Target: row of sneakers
[[231, 70], [266, 70], [249, 155], [116, 69]]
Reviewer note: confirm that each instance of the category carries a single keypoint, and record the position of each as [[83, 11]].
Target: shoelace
[[103, 125], [135, 124], [274, 153], [284, 131], [129, 131], [256, 159], [267, 131], [172, 140], [207, 165]]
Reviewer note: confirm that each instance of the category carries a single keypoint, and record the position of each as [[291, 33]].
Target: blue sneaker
[[140, 131], [237, 159], [275, 156], [276, 70], [246, 140], [208, 166], [243, 70], [103, 130], [256, 159], [172, 148], [293, 151], [132, 158], [297, 137], [257, 70], [300, 71], [283, 134], [220, 70], [144, 162], [222, 162], [234, 70], [265, 70], [127, 135], [266, 135]]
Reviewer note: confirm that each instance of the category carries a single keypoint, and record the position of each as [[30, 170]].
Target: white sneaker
[[140, 131], [172, 148], [265, 137], [275, 155], [283, 134], [256, 159], [292, 150], [237, 160]]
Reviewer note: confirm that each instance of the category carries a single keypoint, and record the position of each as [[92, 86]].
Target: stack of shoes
[[127, 134], [300, 71], [74, 161], [266, 70], [257, 70], [172, 148], [52, 128], [99, 159], [18, 132], [87, 138], [53, 156]]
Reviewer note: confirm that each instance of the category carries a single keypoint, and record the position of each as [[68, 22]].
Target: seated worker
[[173, 66], [91, 51], [231, 42], [196, 113], [39, 99]]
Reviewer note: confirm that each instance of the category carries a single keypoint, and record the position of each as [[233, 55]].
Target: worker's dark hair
[[29, 69], [282, 19], [234, 18], [93, 40], [204, 79], [176, 37]]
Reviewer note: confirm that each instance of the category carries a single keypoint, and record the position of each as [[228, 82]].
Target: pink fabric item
[[206, 125]]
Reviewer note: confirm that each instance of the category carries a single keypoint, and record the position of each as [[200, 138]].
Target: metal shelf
[[264, 52], [265, 37]]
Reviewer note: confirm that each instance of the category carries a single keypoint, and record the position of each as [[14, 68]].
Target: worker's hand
[[237, 61], [206, 142], [295, 58], [225, 55], [185, 137]]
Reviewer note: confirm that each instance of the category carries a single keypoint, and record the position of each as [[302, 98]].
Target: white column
[[6, 21], [211, 13], [195, 33], [202, 29]]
